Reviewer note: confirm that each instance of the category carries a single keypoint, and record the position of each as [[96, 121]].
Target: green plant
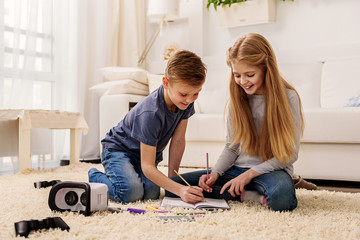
[[224, 3]]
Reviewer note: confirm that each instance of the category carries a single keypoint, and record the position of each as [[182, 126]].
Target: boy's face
[[180, 94]]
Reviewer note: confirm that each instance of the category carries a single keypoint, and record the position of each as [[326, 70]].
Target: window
[[27, 78]]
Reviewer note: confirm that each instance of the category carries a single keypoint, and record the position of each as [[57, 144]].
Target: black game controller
[[23, 228]]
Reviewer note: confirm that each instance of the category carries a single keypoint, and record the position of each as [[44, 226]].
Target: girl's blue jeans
[[123, 176], [277, 186]]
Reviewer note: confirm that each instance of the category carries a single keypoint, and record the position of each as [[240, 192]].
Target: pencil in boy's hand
[[182, 178], [207, 166]]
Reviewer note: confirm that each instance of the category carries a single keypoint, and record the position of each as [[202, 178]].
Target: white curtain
[[26, 74], [107, 33], [78, 38], [26, 62]]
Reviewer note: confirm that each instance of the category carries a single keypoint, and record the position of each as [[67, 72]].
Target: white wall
[[304, 30]]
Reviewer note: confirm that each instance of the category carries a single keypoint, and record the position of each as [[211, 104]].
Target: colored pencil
[[182, 178], [207, 166]]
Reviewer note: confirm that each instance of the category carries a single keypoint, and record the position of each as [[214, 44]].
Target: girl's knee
[[285, 204], [280, 199]]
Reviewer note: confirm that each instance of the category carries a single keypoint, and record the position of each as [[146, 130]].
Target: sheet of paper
[[175, 202], [213, 203], [207, 203]]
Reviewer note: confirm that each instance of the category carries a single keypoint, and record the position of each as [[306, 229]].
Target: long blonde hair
[[277, 137]]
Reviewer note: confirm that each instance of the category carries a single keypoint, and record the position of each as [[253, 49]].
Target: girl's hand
[[237, 185], [191, 194], [206, 183]]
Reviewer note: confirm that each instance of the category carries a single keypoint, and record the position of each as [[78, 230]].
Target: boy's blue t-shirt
[[150, 122]]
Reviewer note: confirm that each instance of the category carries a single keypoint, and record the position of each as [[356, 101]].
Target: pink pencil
[[207, 166]]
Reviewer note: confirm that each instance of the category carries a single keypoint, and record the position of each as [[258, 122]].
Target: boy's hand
[[191, 194], [206, 183]]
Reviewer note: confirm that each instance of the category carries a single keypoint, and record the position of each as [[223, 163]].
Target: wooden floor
[[338, 186]]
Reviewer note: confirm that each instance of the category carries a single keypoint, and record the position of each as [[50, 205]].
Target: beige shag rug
[[319, 215]]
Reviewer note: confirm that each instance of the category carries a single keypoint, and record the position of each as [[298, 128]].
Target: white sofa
[[330, 146]]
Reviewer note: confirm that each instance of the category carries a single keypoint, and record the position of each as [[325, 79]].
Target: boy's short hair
[[186, 66]]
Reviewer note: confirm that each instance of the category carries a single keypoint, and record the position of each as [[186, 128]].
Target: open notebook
[[207, 203]]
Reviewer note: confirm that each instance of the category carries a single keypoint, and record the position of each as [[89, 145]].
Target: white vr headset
[[79, 197]]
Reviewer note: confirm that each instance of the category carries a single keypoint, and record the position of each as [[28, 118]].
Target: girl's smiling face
[[249, 77]]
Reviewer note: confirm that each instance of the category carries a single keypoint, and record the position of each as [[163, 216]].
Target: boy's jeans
[[123, 176], [277, 186]]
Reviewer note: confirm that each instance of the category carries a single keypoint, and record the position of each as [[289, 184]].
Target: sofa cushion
[[340, 82], [335, 125], [118, 73], [206, 127], [125, 86], [306, 78], [215, 91]]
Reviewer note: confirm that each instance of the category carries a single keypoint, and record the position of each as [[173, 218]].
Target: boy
[[133, 148]]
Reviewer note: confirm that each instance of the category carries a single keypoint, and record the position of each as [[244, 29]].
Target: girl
[[265, 123], [133, 148]]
